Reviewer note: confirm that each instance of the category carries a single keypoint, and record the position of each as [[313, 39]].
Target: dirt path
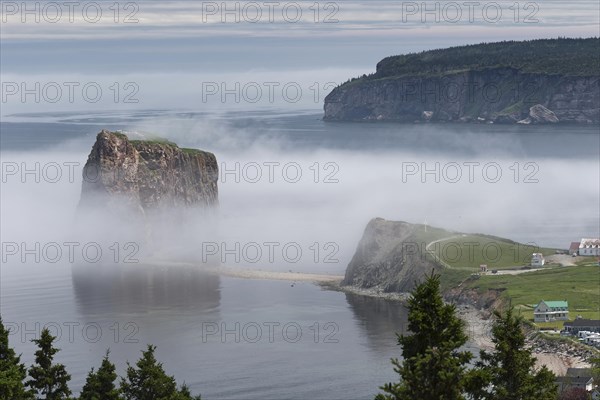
[[435, 257], [516, 271], [565, 260]]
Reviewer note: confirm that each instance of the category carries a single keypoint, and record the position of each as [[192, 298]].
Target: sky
[[108, 58], [170, 54]]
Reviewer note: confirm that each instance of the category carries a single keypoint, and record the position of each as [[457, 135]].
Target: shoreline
[[248, 273], [371, 292], [557, 357]]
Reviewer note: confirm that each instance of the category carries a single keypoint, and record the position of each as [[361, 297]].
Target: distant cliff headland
[[392, 255], [526, 82], [386, 258], [143, 175], [475, 268]]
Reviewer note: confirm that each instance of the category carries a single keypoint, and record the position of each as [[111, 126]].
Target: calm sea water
[[232, 338], [227, 338]]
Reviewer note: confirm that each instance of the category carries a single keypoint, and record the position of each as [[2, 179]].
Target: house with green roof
[[546, 311]]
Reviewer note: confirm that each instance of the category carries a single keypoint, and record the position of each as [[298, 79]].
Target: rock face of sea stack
[[146, 175]]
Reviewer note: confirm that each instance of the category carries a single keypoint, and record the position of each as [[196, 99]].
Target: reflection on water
[[380, 319], [343, 342], [133, 289]]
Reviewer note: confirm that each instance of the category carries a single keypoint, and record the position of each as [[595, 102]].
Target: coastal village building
[[576, 378], [537, 260], [589, 247], [574, 248], [582, 324], [567, 382], [551, 311]]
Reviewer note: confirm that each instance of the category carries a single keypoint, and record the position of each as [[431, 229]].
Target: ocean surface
[[231, 338]]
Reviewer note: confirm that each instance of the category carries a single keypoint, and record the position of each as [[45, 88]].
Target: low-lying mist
[[288, 205]]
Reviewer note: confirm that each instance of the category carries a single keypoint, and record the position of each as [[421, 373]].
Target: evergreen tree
[[100, 385], [186, 394], [48, 379], [12, 371], [150, 382], [510, 371], [433, 368]]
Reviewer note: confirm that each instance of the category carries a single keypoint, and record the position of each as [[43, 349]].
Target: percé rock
[[145, 175], [540, 81], [389, 257]]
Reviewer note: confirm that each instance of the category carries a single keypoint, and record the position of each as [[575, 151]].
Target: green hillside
[[469, 251], [462, 254], [579, 285]]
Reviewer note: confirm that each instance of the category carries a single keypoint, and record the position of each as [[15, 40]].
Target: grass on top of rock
[[154, 140], [157, 140], [469, 251], [120, 135], [188, 150]]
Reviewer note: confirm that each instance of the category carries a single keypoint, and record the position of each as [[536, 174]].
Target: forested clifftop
[[538, 81]]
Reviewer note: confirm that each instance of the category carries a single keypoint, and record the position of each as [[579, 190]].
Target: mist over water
[[295, 193], [298, 179]]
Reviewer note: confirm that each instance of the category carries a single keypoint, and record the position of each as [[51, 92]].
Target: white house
[[583, 382], [589, 247], [547, 311], [537, 260]]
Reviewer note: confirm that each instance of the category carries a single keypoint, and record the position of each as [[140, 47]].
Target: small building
[[537, 260], [574, 248], [579, 371], [589, 247], [567, 382], [483, 269], [546, 311], [582, 324], [576, 378]]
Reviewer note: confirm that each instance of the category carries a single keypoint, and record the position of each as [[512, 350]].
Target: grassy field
[[462, 254], [579, 285], [468, 252], [452, 278]]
